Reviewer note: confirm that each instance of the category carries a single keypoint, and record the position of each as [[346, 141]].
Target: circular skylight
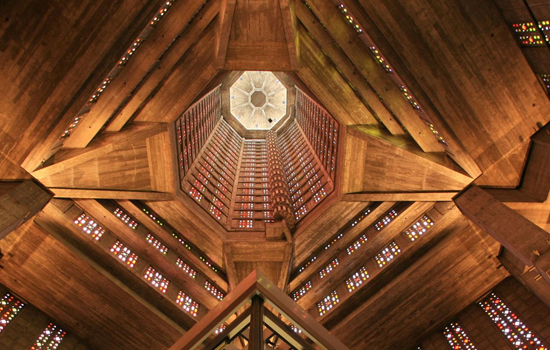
[[258, 100]]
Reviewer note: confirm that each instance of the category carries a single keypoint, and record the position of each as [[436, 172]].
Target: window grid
[[213, 290], [10, 306], [302, 291], [509, 323], [89, 226], [220, 329], [153, 216], [360, 217], [529, 33], [208, 263], [385, 221], [210, 181], [328, 303], [379, 57], [157, 244], [195, 126], [50, 339], [320, 128], [156, 279], [187, 304], [334, 240], [186, 268], [356, 245], [546, 81], [387, 254], [419, 228], [301, 269], [115, 71], [357, 279], [125, 218], [457, 338], [328, 269], [124, 254], [182, 242]]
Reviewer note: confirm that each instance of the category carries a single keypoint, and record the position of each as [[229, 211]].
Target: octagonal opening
[[258, 100]]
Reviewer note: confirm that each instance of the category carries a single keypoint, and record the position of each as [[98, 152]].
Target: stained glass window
[[114, 72], [387, 254], [357, 279], [457, 338], [217, 213], [409, 97], [220, 329], [352, 21], [246, 223], [385, 221], [380, 59], [213, 290], [50, 339], [186, 268], [334, 240], [509, 323], [125, 218], [302, 291], [356, 245], [156, 279], [419, 228], [328, 269], [208, 263], [89, 226], [360, 217], [328, 303], [157, 244], [531, 40], [10, 306], [181, 240], [188, 304], [124, 254], [546, 80], [196, 194], [153, 216], [528, 34], [301, 269]]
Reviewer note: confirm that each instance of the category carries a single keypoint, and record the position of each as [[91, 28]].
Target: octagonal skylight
[[258, 100]]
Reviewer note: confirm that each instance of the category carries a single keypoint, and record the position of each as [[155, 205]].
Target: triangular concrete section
[[253, 288]]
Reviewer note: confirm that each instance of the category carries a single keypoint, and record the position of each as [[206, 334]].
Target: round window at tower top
[[258, 100]]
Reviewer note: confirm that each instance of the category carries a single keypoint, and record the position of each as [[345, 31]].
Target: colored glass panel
[[125, 218], [10, 307], [124, 254], [89, 226], [186, 268], [419, 228], [509, 323], [328, 269], [188, 304], [385, 221], [157, 244], [356, 245], [302, 291], [328, 303], [156, 279], [213, 290], [387, 254], [457, 338], [50, 338], [357, 279]]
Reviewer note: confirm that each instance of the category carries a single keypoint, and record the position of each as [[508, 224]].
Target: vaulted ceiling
[[431, 98]]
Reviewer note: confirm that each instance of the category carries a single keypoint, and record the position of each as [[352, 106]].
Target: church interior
[[385, 164]]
